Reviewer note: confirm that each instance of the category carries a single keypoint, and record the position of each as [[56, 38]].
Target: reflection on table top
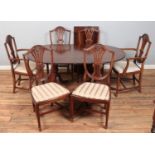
[[68, 54]]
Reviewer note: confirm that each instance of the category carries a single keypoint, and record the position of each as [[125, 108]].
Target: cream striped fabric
[[93, 91], [22, 69], [120, 66], [48, 91]]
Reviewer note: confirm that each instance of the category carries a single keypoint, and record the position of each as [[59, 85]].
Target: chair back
[[11, 49], [60, 35], [89, 34], [37, 54], [93, 63], [143, 48]]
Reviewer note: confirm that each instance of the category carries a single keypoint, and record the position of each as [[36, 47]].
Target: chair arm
[[128, 49], [22, 49], [135, 58], [14, 60]]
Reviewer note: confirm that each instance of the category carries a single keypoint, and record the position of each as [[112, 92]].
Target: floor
[[129, 112]]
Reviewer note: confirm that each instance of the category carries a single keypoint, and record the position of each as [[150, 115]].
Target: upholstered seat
[[48, 91], [120, 66], [91, 90], [22, 68]]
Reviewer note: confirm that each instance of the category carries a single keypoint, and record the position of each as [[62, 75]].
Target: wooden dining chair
[[96, 89], [18, 69], [46, 92], [133, 66], [61, 36], [87, 36]]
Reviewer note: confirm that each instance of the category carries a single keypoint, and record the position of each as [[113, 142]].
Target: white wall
[[119, 34]]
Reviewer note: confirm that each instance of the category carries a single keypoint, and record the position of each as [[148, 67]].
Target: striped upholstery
[[22, 69], [93, 91], [120, 66], [48, 91]]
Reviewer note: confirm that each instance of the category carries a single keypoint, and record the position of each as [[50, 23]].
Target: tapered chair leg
[[14, 82], [71, 109], [33, 105], [140, 83], [38, 116], [72, 70], [19, 79], [134, 79], [117, 85], [107, 115]]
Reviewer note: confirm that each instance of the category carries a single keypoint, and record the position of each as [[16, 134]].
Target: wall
[[115, 33]]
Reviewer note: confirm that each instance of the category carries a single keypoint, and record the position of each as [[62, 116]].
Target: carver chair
[[96, 89], [18, 69], [132, 66], [61, 36], [46, 93]]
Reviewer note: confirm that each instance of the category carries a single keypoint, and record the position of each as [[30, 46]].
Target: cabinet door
[[85, 36]]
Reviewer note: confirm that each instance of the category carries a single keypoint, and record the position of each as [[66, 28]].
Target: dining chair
[[87, 37], [96, 88], [46, 92], [61, 36], [18, 69], [132, 66]]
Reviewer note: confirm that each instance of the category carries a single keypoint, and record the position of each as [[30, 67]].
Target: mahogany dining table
[[69, 54]]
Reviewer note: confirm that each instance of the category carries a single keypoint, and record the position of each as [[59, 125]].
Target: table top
[[68, 54]]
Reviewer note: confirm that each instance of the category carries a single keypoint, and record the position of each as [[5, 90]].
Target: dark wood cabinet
[[85, 36]]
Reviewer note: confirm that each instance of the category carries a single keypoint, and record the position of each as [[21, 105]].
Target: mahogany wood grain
[[68, 54]]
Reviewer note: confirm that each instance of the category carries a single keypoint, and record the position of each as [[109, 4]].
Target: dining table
[[70, 54]]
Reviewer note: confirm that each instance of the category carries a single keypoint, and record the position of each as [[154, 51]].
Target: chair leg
[[71, 109], [19, 80], [38, 116], [140, 82], [134, 80], [33, 106], [14, 83], [72, 70], [30, 83], [117, 85], [102, 110], [107, 114]]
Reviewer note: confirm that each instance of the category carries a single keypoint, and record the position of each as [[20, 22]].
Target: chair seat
[[22, 69], [48, 91], [120, 66], [91, 90]]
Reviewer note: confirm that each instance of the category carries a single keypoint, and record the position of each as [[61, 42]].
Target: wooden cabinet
[[85, 36]]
